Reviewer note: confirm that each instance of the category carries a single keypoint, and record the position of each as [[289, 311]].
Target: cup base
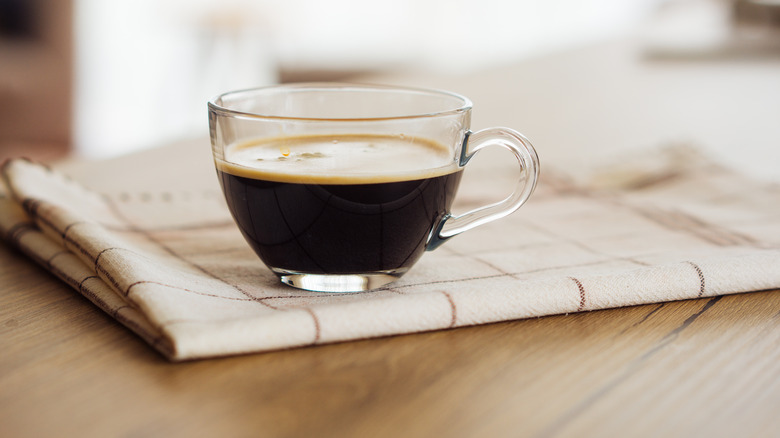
[[338, 283]]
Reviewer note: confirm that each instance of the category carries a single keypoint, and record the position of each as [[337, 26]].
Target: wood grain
[[699, 367]]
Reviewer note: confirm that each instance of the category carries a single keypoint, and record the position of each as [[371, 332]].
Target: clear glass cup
[[342, 187]]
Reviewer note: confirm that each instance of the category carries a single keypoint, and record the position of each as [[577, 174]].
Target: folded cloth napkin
[[175, 270]]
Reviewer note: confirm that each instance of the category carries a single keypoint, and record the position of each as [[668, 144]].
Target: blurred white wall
[[145, 68]]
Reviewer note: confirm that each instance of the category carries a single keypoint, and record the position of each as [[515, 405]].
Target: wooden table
[[708, 367]]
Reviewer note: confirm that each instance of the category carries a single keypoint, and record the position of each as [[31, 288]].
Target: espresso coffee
[[338, 204]]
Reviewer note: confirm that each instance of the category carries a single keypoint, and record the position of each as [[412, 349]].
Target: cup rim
[[223, 110]]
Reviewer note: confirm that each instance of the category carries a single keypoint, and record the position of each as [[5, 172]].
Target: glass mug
[[342, 187]]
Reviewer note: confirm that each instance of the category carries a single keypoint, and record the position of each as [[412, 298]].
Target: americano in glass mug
[[342, 187]]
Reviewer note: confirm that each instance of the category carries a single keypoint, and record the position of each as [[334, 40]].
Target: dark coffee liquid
[[343, 204], [338, 228]]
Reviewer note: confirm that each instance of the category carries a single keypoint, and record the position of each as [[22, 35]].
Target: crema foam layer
[[338, 159]]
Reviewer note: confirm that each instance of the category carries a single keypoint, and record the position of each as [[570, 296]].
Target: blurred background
[[97, 78]]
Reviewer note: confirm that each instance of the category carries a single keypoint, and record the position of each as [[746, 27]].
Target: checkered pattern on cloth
[[175, 270]]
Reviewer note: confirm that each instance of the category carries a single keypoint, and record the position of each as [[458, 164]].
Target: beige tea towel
[[174, 269]]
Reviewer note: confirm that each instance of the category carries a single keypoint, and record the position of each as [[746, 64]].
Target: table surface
[[708, 367]]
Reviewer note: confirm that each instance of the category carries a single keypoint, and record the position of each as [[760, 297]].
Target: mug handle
[[449, 226]]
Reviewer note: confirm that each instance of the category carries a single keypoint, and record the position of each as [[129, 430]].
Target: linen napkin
[[174, 269]]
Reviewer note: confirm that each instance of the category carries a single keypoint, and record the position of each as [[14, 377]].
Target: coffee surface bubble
[[339, 159]]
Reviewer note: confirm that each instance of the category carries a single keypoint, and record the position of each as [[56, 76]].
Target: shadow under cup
[[341, 188]]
